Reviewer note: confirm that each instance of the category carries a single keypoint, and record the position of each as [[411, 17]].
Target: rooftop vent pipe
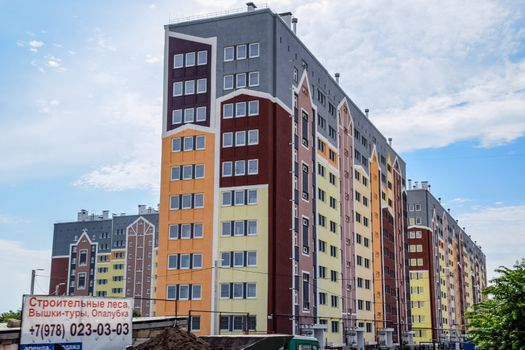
[[251, 6], [390, 141], [294, 25], [366, 112], [337, 75]]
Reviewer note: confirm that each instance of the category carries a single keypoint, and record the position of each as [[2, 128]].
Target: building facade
[[447, 268], [107, 257], [282, 208]]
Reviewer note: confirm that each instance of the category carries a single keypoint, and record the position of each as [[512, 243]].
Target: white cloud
[[54, 63], [35, 45], [12, 220], [499, 231], [152, 59], [46, 106], [16, 263]]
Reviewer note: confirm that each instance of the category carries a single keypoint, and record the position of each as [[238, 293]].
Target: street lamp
[[57, 287], [33, 275]]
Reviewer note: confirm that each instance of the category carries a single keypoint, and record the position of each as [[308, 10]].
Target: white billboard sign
[[75, 323]]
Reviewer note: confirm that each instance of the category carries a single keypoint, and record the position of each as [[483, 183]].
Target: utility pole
[[33, 275]]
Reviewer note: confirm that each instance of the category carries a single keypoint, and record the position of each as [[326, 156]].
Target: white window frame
[[239, 85], [176, 262], [224, 138], [254, 286], [254, 255], [184, 172], [228, 87], [195, 287], [250, 50], [181, 56], [173, 144], [183, 229], [224, 287], [237, 105], [173, 113], [78, 281], [183, 266], [240, 173], [189, 85], [248, 201], [236, 255], [178, 83], [225, 256], [199, 54], [253, 132], [176, 229], [241, 285], [180, 292], [224, 107], [248, 228], [242, 193], [224, 165], [199, 90], [226, 195], [189, 54], [254, 74], [174, 288], [229, 224], [194, 265], [239, 223], [197, 111], [240, 138], [198, 148], [178, 202], [195, 176], [184, 143], [252, 161], [253, 103], [189, 115], [201, 234], [227, 48], [195, 200], [185, 196], [237, 49]]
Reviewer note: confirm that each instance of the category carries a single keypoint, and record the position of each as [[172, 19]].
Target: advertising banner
[[75, 323]]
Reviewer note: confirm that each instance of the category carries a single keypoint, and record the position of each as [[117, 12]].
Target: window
[[306, 291], [254, 50], [227, 111], [187, 172], [176, 116], [225, 259], [253, 108], [199, 200], [189, 115], [237, 290], [252, 196], [253, 78], [253, 137], [227, 169], [239, 197], [226, 228], [333, 202], [175, 202], [252, 227], [321, 194], [322, 246], [195, 320], [305, 186], [322, 272], [228, 53], [333, 251], [189, 87], [197, 230], [238, 228], [238, 259], [241, 80], [82, 258], [186, 201], [295, 75], [81, 283], [227, 139], [190, 59], [306, 234], [199, 171], [251, 259], [305, 129], [241, 52], [188, 143], [251, 290], [240, 109], [225, 290], [228, 82], [202, 58], [201, 86], [184, 262], [184, 292], [172, 262], [240, 167], [177, 88], [240, 138], [176, 144], [200, 143], [226, 198], [178, 61], [253, 166], [334, 300], [322, 298], [171, 292], [197, 261]]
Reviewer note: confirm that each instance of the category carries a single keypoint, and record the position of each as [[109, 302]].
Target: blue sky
[[80, 108]]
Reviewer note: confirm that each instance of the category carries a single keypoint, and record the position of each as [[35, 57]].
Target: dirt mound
[[174, 339]]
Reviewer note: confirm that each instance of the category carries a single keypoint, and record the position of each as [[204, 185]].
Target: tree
[[498, 322], [10, 314]]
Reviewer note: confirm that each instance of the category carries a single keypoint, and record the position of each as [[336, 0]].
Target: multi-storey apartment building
[[447, 268], [106, 256], [282, 207]]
